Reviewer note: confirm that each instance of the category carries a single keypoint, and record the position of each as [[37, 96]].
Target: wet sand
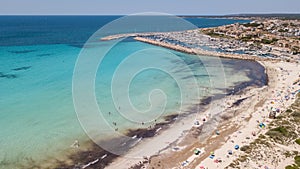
[[93, 153], [162, 141], [238, 121], [82, 158], [101, 157]]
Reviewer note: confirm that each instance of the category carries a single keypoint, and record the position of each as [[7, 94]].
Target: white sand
[[282, 81]]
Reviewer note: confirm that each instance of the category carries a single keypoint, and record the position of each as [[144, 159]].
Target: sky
[[121, 7]]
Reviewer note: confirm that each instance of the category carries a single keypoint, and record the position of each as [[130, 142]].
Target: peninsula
[[259, 126]]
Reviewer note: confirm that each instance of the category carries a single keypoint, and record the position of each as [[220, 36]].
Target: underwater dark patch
[[22, 68], [8, 76], [46, 54], [21, 51], [196, 76]]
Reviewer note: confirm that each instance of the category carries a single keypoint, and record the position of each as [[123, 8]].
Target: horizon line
[[237, 14]]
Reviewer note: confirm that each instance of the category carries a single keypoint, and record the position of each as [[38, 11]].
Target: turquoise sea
[[37, 58]]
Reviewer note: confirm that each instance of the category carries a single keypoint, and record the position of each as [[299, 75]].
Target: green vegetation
[[297, 160], [252, 24], [295, 49], [243, 158], [261, 136], [282, 134], [268, 41], [214, 34], [246, 149], [287, 154], [296, 117], [246, 38], [285, 24], [282, 130], [278, 131], [296, 114], [282, 30], [291, 167], [296, 165], [259, 141]]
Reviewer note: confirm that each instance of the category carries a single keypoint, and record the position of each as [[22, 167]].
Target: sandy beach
[[281, 79], [150, 84], [227, 131], [174, 148]]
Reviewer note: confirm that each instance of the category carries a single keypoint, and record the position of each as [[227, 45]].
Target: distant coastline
[[258, 80], [261, 40], [252, 96], [247, 16]]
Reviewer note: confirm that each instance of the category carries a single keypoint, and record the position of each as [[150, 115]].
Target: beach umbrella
[[262, 125], [236, 147], [197, 152], [212, 156], [230, 152], [185, 163]]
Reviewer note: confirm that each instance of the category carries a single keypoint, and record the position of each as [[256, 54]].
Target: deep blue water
[[37, 59], [72, 30]]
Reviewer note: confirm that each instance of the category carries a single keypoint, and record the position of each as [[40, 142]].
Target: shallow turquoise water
[[37, 116], [36, 103]]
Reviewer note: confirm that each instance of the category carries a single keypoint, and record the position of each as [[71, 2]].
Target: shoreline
[[236, 102], [95, 153], [187, 128], [256, 112], [237, 128], [112, 161], [229, 113], [95, 156], [166, 148], [267, 63]]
